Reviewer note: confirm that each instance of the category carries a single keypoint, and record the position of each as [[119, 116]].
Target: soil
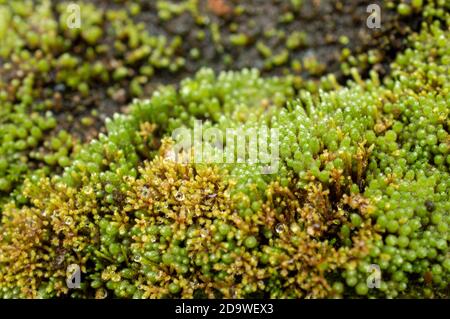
[[324, 22]]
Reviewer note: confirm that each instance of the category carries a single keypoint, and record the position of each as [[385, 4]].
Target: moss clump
[[69, 79], [362, 180]]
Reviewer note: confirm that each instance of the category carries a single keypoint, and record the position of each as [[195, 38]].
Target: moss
[[363, 172]]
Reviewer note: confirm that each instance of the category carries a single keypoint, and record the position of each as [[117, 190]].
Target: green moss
[[362, 179]]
